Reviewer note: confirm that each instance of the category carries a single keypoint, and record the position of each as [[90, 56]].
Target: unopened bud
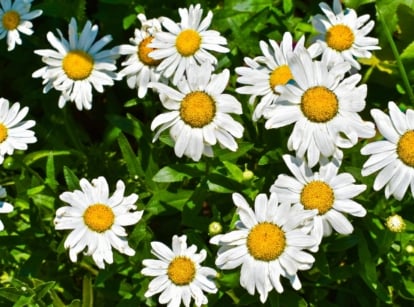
[[214, 228], [395, 223]]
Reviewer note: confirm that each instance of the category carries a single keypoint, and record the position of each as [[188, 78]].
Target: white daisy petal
[[14, 131]]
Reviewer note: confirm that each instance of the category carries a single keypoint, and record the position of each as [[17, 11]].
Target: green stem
[[397, 58]]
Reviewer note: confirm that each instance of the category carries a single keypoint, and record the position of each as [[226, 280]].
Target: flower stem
[[397, 58]]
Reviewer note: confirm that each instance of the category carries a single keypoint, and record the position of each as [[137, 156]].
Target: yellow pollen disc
[[77, 64], [340, 37], [317, 195], [266, 241], [99, 217], [3, 133], [280, 76], [144, 50], [11, 20], [181, 270], [319, 104], [405, 148], [197, 109], [188, 42]]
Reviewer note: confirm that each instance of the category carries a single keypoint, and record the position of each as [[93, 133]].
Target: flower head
[[198, 116], [186, 43], [97, 220], [4, 206], [324, 107], [14, 132], [393, 157], [77, 65], [140, 68], [326, 191], [342, 35], [15, 17], [178, 273], [263, 74], [269, 242]]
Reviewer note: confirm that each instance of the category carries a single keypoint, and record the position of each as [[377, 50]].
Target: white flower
[[178, 274], [15, 18], [269, 242], [4, 206], [262, 74], [323, 105], [14, 133], [186, 43], [198, 113], [326, 190], [394, 156], [342, 35], [97, 220], [140, 67], [77, 65]]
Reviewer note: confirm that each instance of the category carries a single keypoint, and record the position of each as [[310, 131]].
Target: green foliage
[[371, 267]]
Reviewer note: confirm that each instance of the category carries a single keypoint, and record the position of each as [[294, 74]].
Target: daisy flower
[[269, 242], [198, 116], [326, 191], [178, 274], [77, 65], [14, 133], [15, 17], [393, 157], [97, 220], [342, 35], [186, 43], [262, 74], [323, 105], [140, 67], [4, 207]]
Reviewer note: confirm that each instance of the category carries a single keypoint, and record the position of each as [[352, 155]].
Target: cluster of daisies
[[316, 89]]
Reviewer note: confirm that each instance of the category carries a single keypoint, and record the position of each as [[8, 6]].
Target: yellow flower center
[[266, 241], [280, 76], [144, 50], [181, 270], [340, 37], [99, 217], [317, 195], [405, 148], [188, 42], [11, 20], [3, 133], [319, 104], [77, 64], [197, 109]]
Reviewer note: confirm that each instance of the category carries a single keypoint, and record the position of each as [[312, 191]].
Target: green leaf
[[130, 158], [128, 21], [408, 52], [50, 173], [176, 199], [287, 6], [72, 181], [129, 125], [42, 289], [176, 173], [37, 155], [234, 170], [11, 293]]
